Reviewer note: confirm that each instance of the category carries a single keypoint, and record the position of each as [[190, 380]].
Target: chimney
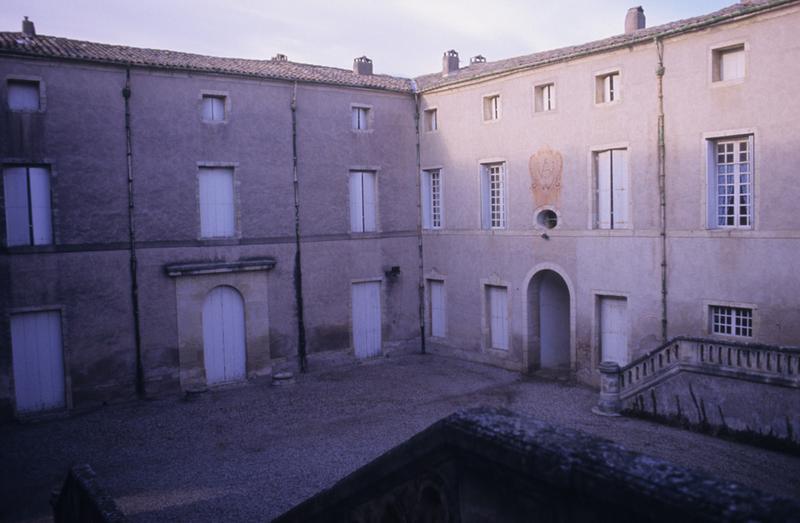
[[280, 57], [27, 27], [634, 20], [477, 59], [449, 62], [362, 65]]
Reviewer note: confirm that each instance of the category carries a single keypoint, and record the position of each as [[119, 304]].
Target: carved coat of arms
[[545, 169]]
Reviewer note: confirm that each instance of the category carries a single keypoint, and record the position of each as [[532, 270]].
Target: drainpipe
[[662, 186], [137, 335], [421, 284], [298, 273]]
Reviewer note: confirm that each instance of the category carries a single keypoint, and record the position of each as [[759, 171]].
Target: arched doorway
[[549, 322], [223, 336]]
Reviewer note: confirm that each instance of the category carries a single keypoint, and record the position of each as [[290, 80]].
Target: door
[[498, 317], [614, 329], [38, 361], [367, 319], [224, 336], [437, 308]]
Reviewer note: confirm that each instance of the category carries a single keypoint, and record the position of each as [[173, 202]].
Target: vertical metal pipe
[[662, 186], [298, 273], [126, 94], [421, 283]]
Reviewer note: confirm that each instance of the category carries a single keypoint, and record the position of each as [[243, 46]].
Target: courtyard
[[252, 452]]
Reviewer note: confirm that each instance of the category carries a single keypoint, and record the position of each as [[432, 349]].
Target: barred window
[[731, 321]]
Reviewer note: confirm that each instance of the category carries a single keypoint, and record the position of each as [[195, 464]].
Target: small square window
[[23, 95], [213, 108], [731, 321], [607, 87], [360, 118], [431, 120], [491, 107], [545, 98], [728, 63]]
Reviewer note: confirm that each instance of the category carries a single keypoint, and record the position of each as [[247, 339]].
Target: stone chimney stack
[[449, 62], [362, 65], [27, 27], [634, 20]]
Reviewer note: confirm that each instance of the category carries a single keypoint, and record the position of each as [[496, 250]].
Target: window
[[493, 196], [731, 183], [607, 88], [497, 315], [545, 98], [432, 199], [491, 107], [362, 201], [23, 95], [731, 321], [217, 218], [431, 120], [213, 108], [27, 201], [436, 306], [360, 118], [728, 63], [611, 189]]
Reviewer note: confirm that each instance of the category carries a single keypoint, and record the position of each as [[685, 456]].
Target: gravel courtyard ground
[[250, 453]]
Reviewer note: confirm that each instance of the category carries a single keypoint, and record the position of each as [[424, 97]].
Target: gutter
[[421, 282], [745, 12], [662, 185], [298, 272], [137, 335]]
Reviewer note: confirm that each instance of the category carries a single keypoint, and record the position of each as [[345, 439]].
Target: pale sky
[[403, 37]]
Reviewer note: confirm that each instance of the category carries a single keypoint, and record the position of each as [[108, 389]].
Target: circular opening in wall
[[547, 219]]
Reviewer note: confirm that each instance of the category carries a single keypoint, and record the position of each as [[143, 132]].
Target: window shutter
[[23, 96], [437, 308], [370, 196], [499, 319], [218, 108], [603, 189], [425, 187], [619, 163], [732, 64], [40, 205], [356, 204], [486, 212], [217, 216], [208, 109], [607, 88], [15, 185]]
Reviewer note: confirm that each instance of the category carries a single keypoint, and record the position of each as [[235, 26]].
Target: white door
[[367, 319], [38, 361], [437, 308], [614, 329], [224, 336]]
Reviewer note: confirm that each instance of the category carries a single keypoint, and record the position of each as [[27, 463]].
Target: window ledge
[[30, 249], [727, 83]]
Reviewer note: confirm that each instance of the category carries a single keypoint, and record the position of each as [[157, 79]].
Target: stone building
[[173, 221]]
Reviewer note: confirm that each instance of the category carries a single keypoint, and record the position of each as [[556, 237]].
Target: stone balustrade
[[751, 362]]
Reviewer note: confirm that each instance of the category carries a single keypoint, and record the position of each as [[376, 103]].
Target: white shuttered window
[[27, 202], [23, 95], [217, 213], [362, 201], [612, 187], [213, 108], [437, 308], [360, 118], [729, 63]]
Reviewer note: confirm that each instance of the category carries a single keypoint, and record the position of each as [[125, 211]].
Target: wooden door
[[38, 361], [224, 336], [367, 319], [614, 329]]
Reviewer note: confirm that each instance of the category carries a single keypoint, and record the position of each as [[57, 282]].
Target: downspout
[[421, 283], [298, 273], [662, 186], [137, 335]]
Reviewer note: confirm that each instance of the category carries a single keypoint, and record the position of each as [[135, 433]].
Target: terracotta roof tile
[[64, 48], [488, 69]]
